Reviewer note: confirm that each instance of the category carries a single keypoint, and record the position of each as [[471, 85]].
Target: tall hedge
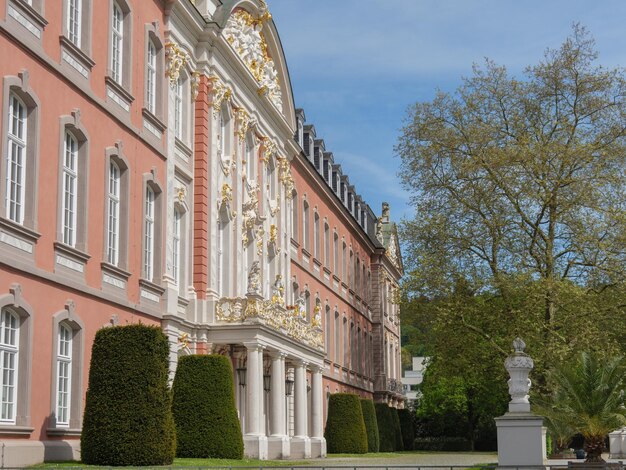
[[128, 418], [399, 445], [207, 425], [407, 429], [386, 428], [371, 426], [345, 429]]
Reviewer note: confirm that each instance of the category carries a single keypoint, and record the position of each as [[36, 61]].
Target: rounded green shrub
[[407, 429], [371, 426], [397, 431], [345, 429], [128, 417], [207, 425], [386, 428]]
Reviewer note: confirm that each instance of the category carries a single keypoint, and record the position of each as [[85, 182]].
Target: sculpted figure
[[254, 279]]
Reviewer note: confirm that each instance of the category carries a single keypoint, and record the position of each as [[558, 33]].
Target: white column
[[300, 398], [255, 441], [317, 405], [277, 416], [254, 386], [301, 443]]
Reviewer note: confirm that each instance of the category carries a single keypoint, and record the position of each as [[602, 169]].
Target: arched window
[[316, 236], [113, 215], [294, 216], [17, 157], [223, 254], [305, 226], [179, 119], [117, 43], [64, 375], [151, 77], [250, 156], [176, 245], [148, 231], [9, 350], [326, 245], [70, 189]]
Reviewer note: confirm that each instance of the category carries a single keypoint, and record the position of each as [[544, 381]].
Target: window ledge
[[336, 278], [183, 147], [33, 15], [151, 286], [63, 432], [153, 119], [344, 285], [77, 57], [294, 243], [18, 236], [114, 270], [317, 262], [326, 270], [9, 429], [71, 251], [118, 94], [305, 252]]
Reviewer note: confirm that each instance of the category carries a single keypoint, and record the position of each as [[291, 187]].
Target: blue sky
[[356, 65]]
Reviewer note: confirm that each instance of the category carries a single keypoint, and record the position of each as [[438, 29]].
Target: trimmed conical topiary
[[345, 429], [386, 428], [371, 425], [128, 418], [406, 426], [399, 445], [207, 425]]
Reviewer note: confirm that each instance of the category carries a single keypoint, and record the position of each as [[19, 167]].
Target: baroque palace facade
[[155, 169]]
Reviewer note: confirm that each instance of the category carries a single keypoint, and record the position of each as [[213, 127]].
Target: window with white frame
[[9, 350], [316, 236], [294, 215], [178, 108], [70, 188], [326, 245], [64, 375], [148, 244], [250, 157], [151, 77], [74, 21], [117, 42], [16, 159], [223, 251], [305, 225], [176, 245], [113, 214], [336, 253]]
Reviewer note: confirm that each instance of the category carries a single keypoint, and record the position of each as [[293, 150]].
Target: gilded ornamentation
[[274, 206], [176, 58], [195, 84], [278, 290], [284, 175], [272, 314], [259, 240], [222, 93], [273, 233], [183, 343], [181, 194], [243, 122], [227, 193], [245, 34], [269, 149], [317, 314], [250, 215]]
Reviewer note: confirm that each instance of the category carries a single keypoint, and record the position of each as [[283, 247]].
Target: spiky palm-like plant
[[588, 397]]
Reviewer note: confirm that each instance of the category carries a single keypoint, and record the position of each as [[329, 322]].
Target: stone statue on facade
[[278, 289], [254, 279], [301, 306], [317, 314]]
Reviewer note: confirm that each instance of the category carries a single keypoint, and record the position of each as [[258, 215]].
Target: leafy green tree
[[588, 397], [520, 227]]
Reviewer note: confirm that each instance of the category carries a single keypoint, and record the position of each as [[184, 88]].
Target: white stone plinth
[[521, 440], [617, 444], [318, 447], [278, 447], [255, 447], [300, 447]]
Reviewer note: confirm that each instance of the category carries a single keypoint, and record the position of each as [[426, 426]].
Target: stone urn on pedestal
[[521, 434]]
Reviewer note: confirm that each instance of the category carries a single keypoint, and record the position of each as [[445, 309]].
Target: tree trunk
[[594, 446]]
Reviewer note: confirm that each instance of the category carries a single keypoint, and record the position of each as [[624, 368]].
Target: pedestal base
[[617, 444], [278, 447], [521, 440], [318, 447], [300, 448], [255, 447]]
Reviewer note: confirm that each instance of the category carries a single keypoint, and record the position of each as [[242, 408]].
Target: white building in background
[[414, 377]]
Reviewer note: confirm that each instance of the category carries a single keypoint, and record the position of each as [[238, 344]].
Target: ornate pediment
[[245, 34]]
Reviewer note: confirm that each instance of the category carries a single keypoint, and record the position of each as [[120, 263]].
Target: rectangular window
[[148, 254], [70, 177], [64, 375], [151, 78], [178, 109], [16, 160], [9, 349], [326, 245], [73, 21], [176, 246], [117, 42], [336, 254], [113, 238]]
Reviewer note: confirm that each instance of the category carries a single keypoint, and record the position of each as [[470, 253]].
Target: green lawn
[[192, 463]]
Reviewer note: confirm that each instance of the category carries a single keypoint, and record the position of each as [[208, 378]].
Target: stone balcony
[[288, 320]]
